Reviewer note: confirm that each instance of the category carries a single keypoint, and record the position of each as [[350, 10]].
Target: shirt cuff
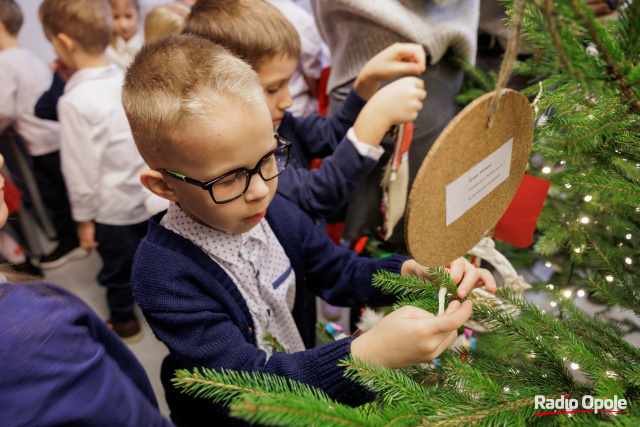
[[364, 149]]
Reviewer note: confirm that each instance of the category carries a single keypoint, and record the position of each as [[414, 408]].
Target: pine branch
[[393, 383], [547, 9], [596, 131], [278, 414], [475, 416], [395, 283], [595, 29], [225, 386]]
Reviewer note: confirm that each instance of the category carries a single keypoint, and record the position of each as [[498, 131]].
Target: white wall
[[32, 37]]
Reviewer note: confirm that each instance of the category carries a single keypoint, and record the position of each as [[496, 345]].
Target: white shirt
[[259, 267], [23, 79], [313, 56], [100, 162], [124, 51]]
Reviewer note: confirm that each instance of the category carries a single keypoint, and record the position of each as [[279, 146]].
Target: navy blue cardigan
[[323, 192], [62, 365], [194, 307]]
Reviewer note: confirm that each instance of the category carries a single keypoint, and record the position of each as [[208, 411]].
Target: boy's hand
[[62, 69], [398, 102], [397, 59], [87, 234], [465, 274], [410, 335]]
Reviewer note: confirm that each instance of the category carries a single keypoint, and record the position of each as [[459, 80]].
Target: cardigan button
[[250, 330]]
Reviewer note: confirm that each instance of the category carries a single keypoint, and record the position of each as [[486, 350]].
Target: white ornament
[[486, 250]]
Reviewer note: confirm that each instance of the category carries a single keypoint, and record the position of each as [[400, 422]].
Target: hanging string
[[510, 56]]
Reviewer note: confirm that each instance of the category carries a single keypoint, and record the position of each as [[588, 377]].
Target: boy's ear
[[155, 182], [67, 41]]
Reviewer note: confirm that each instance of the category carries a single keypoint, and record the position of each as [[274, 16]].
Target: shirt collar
[[95, 73], [217, 243]]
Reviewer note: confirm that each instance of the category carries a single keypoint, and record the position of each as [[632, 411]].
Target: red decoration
[[518, 223], [12, 196]]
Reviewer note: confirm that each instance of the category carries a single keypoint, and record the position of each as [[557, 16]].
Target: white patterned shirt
[[259, 267]]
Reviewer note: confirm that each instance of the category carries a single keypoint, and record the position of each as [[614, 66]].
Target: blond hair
[[135, 3], [175, 81], [88, 22], [164, 19], [10, 16], [252, 29]]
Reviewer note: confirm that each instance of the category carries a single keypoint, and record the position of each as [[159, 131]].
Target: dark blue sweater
[[195, 308], [47, 105], [62, 365], [323, 192]]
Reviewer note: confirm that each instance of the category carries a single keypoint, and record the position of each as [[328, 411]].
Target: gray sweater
[[355, 30]]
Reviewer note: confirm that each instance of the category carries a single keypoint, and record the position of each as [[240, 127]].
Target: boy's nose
[[258, 188], [285, 101]]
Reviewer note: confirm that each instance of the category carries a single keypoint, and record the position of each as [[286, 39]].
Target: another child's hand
[[87, 234], [62, 69], [398, 102], [465, 274], [397, 59], [410, 335]]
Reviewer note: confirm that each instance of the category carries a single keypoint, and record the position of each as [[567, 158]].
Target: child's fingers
[[475, 278], [445, 344], [453, 306], [487, 279], [469, 279], [456, 269], [451, 320], [411, 312], [411, 52]]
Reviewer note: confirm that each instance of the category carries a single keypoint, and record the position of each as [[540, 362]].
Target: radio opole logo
[[588, 403]]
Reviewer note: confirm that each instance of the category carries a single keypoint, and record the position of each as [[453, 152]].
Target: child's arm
[[319, 136], [323, 192], [7, 96], [62, 361], [46, 107], [80, 164]]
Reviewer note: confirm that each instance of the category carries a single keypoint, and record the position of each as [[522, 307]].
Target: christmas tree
[[532, 368]]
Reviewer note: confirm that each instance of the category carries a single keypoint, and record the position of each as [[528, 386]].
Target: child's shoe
[[128, 331], [67, 250]]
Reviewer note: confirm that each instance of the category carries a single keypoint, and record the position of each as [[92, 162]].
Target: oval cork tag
[[468, 179]]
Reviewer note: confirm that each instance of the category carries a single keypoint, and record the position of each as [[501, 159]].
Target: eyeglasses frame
[[208, 185]]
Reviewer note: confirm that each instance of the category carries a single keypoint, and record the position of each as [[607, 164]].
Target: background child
[[24, 78], [228, 260], [261, 35], [305, 82], [58, 355], [126, 38], [99, 161], [169, 18]]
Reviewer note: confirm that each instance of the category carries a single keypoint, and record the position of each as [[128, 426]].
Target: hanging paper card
[[441, 226]]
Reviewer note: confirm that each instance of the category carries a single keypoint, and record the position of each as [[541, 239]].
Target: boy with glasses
[[227, 263]]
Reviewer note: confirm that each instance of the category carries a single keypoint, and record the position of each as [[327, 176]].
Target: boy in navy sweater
[[260, 34], [227, 263]]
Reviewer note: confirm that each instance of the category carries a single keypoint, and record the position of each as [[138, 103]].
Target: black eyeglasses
[[234, 184]]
